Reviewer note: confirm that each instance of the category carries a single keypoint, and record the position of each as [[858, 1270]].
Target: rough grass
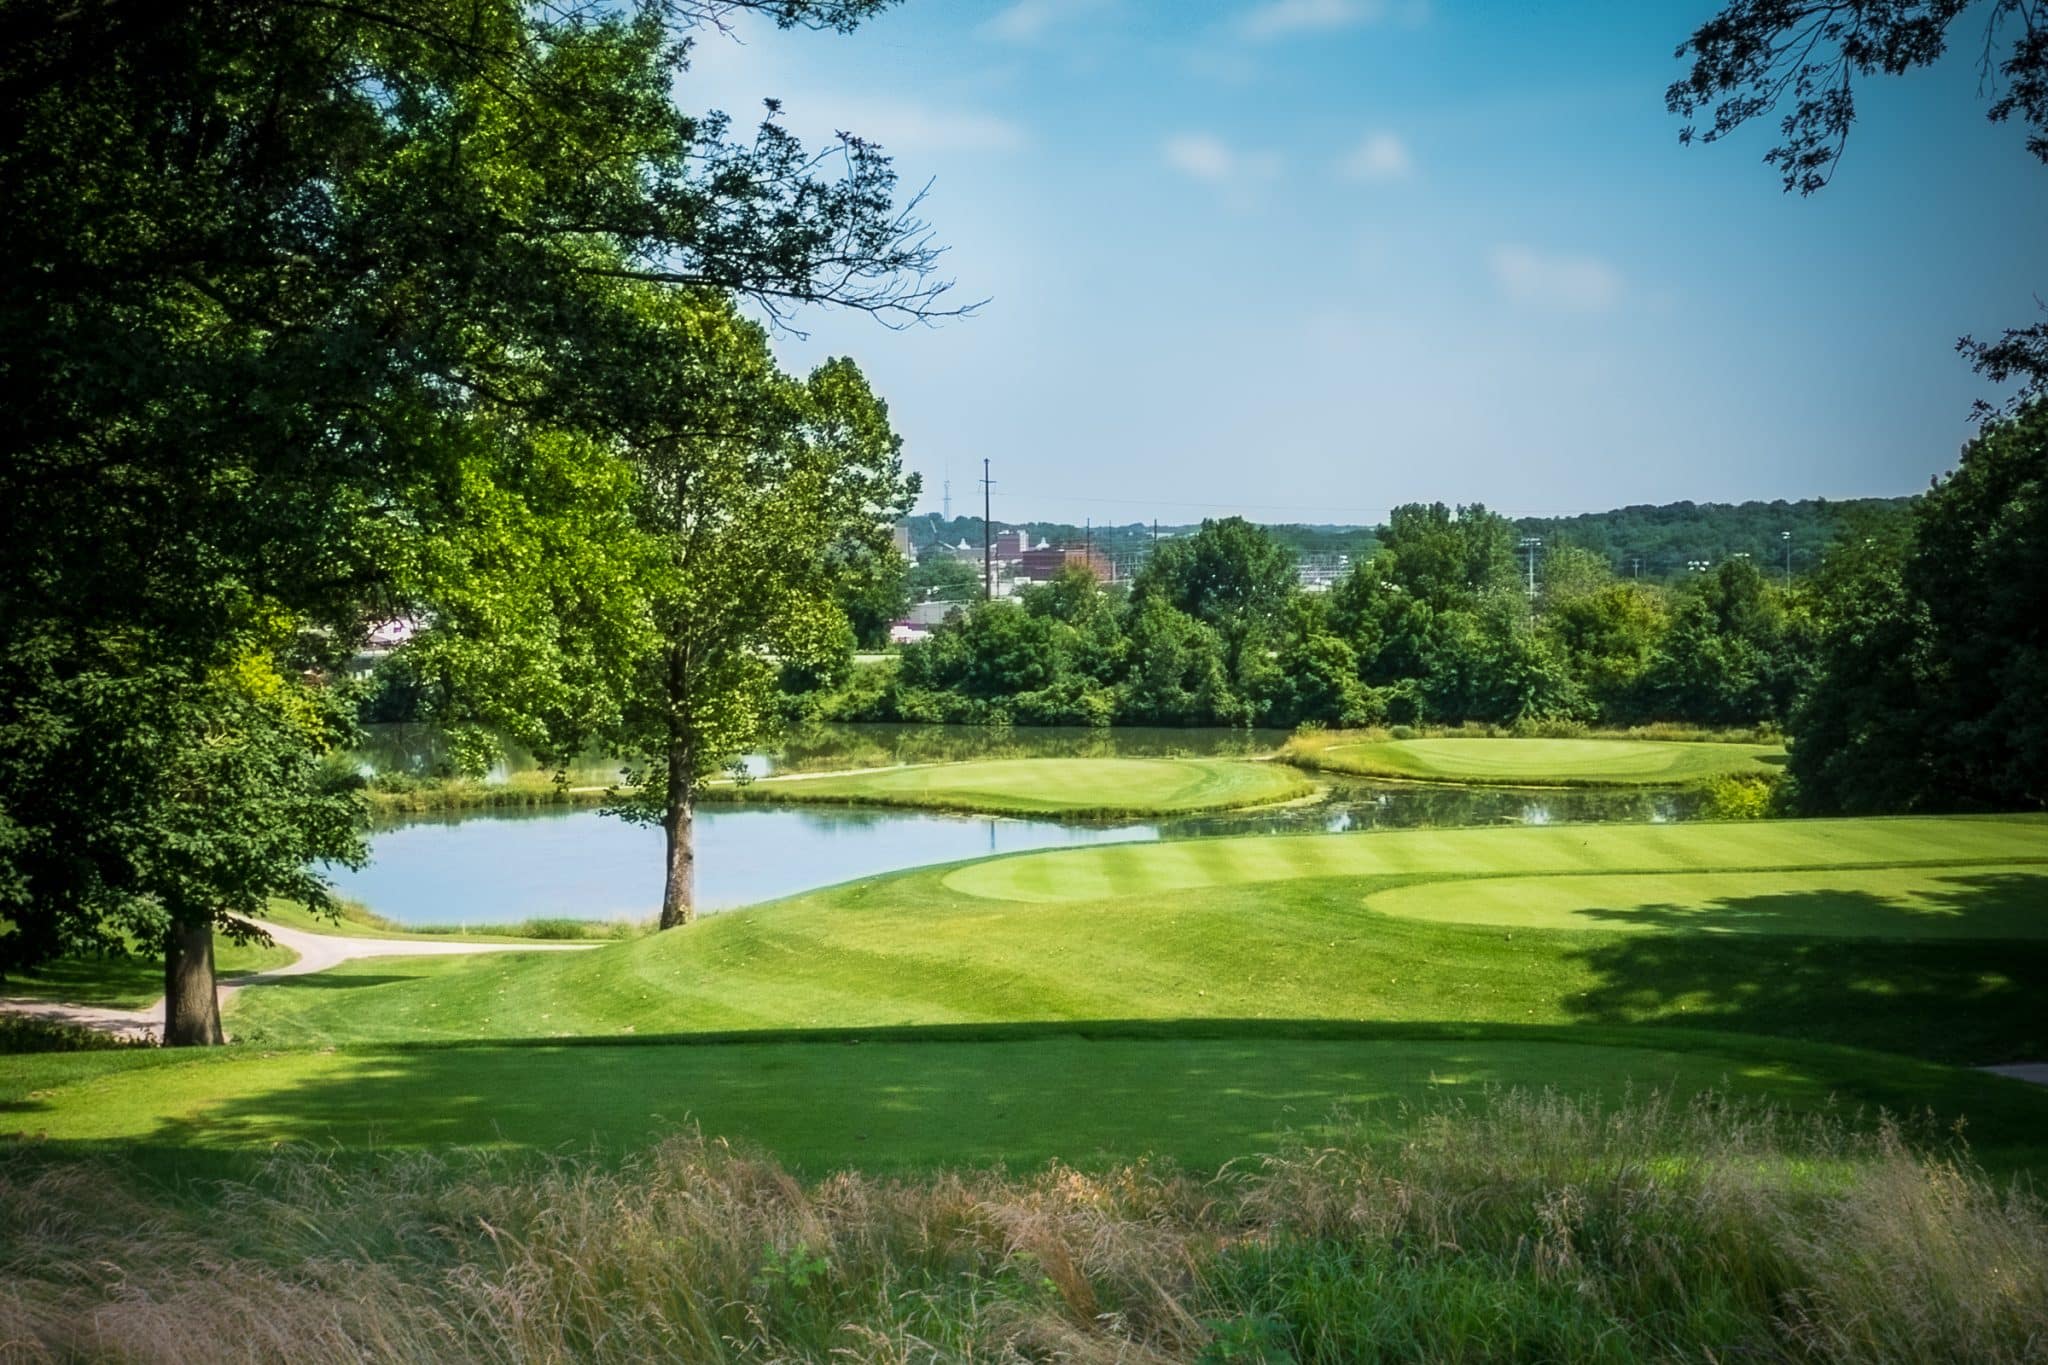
[[1079, 787], [1508, 761], [1520, 1226], [395, 795], [354, 920]]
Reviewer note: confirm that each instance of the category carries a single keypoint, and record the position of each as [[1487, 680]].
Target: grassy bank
[[1076, 787], [1531, 762], [392, 796], [1518, 1226], [353, 920]]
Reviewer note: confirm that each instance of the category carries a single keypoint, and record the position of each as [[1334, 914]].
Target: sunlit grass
[[1511, 761]]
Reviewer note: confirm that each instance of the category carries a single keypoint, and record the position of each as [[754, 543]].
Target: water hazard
[[497, 867]]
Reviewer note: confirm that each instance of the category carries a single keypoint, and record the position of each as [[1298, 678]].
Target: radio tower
[[946, 498]]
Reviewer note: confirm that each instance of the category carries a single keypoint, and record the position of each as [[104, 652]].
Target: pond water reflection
[[576, 863]]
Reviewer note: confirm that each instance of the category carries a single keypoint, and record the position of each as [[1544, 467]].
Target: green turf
[[1972, 902], [1260, 980], [1045, 786], [1090, 1096], [1537, 762], [131, 983], [1738, 846], [1273, 935]]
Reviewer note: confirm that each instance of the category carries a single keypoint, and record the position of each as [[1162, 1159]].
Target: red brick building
[[1042, 565]]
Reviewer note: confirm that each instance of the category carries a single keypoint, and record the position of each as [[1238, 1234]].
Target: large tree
[[1804, 58], [758, 496], [1933, 682], [292, 290]]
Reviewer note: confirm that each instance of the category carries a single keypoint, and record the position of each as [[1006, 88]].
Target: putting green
[[1037, 786], [1135, 869], [897, 1099], [1540, 762], [1973, 902]]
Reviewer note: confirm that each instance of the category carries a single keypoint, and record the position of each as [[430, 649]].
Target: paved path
[[2037, 1072], [317, 952]]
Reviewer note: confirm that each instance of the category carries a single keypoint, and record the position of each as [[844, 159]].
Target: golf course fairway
[[1190, 998], [1285, 928], [1046, 786], [1534, 762]]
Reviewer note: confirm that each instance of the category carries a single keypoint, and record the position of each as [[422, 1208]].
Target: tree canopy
[[321, 314]]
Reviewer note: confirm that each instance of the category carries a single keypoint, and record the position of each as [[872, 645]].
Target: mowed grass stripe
[[1119, 869], [1982, 902]]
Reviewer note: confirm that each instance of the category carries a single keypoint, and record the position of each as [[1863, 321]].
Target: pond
[[576, 863]]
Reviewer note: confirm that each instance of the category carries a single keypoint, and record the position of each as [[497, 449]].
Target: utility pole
[[1530, 545], [988, 550], [1639, 566], [1786, 536]]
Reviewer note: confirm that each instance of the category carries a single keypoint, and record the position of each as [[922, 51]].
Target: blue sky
[[1308, 259]]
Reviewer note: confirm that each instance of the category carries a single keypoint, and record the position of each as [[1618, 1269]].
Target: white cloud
[[1203, 156], [1577, 284], [1285, 18], [1379, 156], [1027, 21]]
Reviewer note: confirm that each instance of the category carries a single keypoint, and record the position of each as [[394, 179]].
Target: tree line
[[1910, 668], [1435, 626]]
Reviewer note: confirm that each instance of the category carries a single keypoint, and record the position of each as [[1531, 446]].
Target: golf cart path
[[317, 952]]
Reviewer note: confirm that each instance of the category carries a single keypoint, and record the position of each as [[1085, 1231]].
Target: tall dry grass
[[1528, 1227]]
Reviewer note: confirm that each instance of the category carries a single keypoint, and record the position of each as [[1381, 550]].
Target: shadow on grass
[[1200, 1093], [1972, 996], [1997, 905]]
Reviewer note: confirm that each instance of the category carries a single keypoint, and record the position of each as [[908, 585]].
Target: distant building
[[387, 635], [900, 535], [965, 553], [1320, 573], [925, 615], [908, 633], [1041, 565]]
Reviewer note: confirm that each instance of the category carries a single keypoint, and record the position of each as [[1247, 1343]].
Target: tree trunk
[[679, 890], [191, 1003]]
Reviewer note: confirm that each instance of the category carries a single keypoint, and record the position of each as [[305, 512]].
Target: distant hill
[[1655, 541], [1664, 538]]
